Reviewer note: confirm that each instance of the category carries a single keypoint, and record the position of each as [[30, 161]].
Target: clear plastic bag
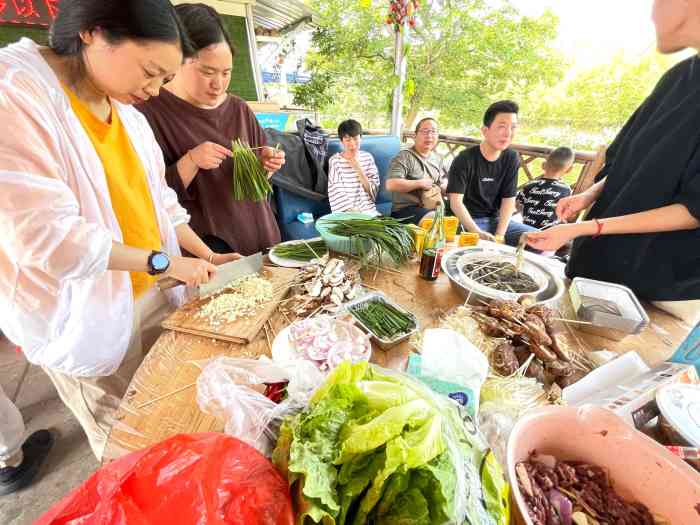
[[231, 389]]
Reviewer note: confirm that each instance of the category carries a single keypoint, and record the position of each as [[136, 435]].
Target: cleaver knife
[[225, 274]]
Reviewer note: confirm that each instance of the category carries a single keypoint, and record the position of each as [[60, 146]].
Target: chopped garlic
[[242, 298]]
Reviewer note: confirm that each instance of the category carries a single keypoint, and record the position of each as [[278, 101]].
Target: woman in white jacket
[[88, 222]]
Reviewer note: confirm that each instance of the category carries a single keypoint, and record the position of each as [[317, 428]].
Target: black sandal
[[35, 450]]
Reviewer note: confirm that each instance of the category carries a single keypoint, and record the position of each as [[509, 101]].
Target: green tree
[[602, 97], [462, 55]]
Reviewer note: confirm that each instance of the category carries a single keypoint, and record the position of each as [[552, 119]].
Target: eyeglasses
[[428, 132]]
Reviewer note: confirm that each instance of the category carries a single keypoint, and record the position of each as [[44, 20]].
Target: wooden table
[[171, 368]]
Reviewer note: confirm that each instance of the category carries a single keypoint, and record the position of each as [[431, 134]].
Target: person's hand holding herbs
[[272, 159]]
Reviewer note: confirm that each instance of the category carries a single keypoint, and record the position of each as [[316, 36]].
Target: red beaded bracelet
[[599, 226]]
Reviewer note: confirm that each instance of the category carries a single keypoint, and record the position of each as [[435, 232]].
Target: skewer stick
[[520, 252], [272, 328], [165, 396], [267, 336], [572, 321]]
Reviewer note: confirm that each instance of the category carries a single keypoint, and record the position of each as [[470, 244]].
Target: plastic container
[[305, 218], [640, 469], [451, 224], [468, 239], [680, 416], [613, 309], [338, 243], [384, 344]]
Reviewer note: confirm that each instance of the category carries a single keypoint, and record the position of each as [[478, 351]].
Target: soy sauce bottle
[[433, 247]]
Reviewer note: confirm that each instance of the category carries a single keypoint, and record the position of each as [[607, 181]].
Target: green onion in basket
[[384, 235], [249, 177]]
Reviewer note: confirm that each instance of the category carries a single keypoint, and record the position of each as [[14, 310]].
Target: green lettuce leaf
[[381, 429], [396, 485], [354, 478], [396, 456], [410, 508], [382, 395], [344, 374], [315, 444]]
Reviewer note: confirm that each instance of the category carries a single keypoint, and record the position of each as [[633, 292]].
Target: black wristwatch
[[158, 263]]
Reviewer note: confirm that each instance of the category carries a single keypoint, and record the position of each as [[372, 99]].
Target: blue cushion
[[289, 205], [298, 230], [383, 148]]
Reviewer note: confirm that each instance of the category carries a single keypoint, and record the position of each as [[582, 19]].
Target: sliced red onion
[[562, 505]]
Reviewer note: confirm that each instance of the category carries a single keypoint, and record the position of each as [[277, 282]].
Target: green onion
[[249, 177], [382, 319], [301, 251], [382, 234]]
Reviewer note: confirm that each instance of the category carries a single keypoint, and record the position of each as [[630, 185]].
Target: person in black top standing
[[643, 229], [482, 182], [537, 200]]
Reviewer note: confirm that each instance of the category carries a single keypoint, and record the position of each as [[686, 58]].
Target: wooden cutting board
[[244, 329]]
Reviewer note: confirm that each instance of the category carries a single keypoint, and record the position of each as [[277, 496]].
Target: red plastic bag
[[193, 479]]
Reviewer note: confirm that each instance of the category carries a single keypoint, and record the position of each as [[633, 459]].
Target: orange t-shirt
[[126, 179]]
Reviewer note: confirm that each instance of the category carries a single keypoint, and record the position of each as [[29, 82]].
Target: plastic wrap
[[226, 388]]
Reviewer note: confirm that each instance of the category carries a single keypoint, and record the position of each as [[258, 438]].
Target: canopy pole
[[400, 72]]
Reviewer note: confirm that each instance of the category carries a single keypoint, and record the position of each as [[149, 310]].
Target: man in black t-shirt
[[482, 182], [643, 228], [537, 200]]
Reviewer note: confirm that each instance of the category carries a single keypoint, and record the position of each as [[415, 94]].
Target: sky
[[592, 31]]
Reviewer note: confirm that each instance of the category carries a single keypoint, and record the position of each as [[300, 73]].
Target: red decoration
[[401, 11], [28, 12]]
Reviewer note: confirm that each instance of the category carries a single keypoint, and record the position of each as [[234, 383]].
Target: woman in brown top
[[194, 120]]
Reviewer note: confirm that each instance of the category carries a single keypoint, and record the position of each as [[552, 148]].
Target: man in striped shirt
[[353, 179]]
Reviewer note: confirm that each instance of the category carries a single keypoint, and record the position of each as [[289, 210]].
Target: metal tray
[[629, 318], [384, 344], [553, 292]]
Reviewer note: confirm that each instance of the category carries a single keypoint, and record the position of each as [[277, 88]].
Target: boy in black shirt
[[482, 182], [537, 200], [643, 229]]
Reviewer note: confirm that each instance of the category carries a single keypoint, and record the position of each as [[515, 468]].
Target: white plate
[[291, 263], [284, 352]]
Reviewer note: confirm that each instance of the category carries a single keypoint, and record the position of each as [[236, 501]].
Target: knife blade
[[225, 274]]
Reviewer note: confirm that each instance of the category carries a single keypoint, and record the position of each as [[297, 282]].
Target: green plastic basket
[[337, 243]]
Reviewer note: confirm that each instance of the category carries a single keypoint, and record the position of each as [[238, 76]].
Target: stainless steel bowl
[[552, 292]]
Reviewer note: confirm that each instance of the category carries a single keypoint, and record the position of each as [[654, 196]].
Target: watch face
[[160, 262]]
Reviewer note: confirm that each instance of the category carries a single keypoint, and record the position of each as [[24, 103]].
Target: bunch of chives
[[249, 177], [382, 234]]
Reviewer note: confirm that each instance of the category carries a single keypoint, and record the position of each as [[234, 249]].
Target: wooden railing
[[590, 163]]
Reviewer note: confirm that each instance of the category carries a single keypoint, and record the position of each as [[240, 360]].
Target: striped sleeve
[[336, 195]]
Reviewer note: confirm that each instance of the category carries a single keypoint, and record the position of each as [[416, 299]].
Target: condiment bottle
[[433, 247]]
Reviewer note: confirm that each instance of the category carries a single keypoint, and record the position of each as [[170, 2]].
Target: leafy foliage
[[462, 55]]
